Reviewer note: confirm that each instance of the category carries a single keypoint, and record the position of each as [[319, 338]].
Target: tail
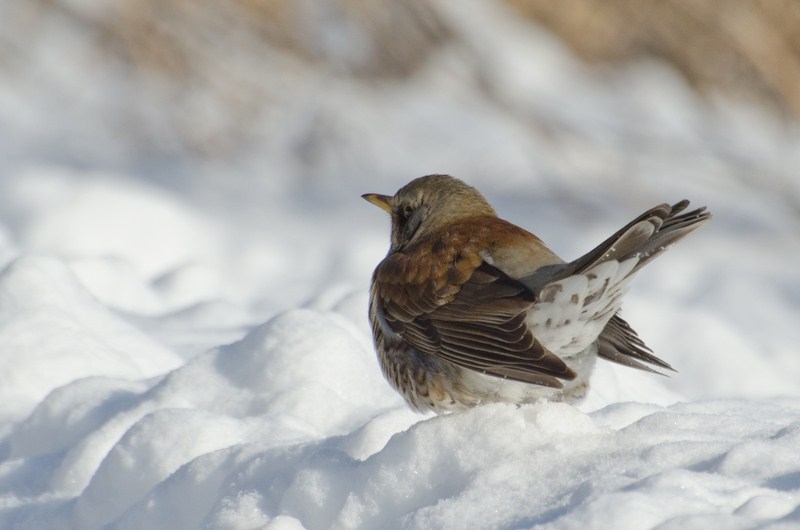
[[645, 237], [636, 244]]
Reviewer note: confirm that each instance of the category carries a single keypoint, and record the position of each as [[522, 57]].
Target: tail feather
[[672, 230], [645, 237], [642, 239], [618, 342]]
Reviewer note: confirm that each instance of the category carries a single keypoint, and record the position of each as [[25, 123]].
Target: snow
[[194, 352]]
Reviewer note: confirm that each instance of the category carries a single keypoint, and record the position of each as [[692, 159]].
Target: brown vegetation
[[745, 47]]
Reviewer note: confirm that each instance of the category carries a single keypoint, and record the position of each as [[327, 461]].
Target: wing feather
[[478, 324]]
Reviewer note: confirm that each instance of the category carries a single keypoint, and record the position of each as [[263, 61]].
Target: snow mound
[[52, 332], [293, 425]]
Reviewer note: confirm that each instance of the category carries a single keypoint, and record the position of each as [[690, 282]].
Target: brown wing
[[472, 315], [619, 343]]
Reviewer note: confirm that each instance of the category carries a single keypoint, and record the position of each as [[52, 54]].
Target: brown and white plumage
[[468, 308]]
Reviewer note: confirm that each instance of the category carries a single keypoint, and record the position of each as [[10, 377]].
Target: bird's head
[[427, 204]]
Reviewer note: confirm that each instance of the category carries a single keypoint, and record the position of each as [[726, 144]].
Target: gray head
[[428, 203]]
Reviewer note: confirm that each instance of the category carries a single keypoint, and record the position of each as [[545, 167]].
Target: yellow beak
[[381, 201]]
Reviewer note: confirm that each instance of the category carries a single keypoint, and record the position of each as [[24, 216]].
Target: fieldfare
[[468, 308]]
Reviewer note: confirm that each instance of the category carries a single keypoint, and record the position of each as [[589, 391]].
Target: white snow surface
[[195, 353]]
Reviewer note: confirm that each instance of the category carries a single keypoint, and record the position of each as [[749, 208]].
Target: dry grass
[[361, 37], [749, 48], [200, 55]]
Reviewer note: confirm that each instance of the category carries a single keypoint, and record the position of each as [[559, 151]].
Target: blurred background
[[316, 92], [177, 153]]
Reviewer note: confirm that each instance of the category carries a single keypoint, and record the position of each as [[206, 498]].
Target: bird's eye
[[407, 211]]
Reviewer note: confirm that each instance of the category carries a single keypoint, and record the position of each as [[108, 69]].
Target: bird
[[467, 308]]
